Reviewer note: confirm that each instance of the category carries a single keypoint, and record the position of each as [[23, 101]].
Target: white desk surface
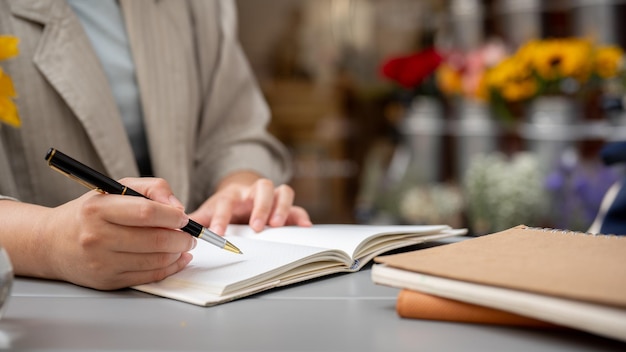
[[346, 312]]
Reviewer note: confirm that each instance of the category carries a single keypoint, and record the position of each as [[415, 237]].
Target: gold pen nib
[[218, 240], [231, 247]]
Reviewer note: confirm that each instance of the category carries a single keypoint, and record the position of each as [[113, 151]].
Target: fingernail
[[258, 224], [184, 221], [194, 243], [188, 258]]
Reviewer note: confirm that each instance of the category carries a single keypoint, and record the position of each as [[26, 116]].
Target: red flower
[[410, 71]]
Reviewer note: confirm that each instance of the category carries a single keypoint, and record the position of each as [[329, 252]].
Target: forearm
[[22, 235], [233, 134]]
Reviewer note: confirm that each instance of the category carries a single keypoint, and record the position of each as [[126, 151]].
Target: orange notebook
[[567, 278], [417, 305]]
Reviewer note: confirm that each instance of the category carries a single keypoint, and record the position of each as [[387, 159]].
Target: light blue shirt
[[104, 25]]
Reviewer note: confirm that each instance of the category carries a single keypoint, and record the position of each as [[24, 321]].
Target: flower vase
[[552, 132], [422, 131], [616, 127], [551, 128], [475, 131]]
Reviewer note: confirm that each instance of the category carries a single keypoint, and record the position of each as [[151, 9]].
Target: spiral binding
[[570, 232]]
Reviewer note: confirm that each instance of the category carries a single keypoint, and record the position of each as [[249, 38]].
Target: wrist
[[240, 178], [23, 234]]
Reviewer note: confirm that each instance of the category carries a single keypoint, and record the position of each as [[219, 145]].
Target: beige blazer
[[203, 112]]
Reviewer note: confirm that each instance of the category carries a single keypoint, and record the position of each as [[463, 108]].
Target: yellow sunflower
[[555, 59], [577, 64], [8, 109], [608, 61], [512, 79]]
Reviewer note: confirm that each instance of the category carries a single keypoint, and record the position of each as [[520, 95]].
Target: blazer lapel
[[163, 53], [66, 58]]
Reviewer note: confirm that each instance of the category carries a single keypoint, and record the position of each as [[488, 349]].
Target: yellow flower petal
[[6, 85], [448, 79], [8, 109], [8, 46], [8, 112], [482, 90]]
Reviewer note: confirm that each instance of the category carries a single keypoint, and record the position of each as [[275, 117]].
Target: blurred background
[[483, 114]]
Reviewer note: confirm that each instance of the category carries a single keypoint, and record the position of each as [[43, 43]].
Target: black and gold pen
[[104, 184]]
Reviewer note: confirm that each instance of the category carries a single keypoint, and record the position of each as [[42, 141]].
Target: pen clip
[[77, 179]]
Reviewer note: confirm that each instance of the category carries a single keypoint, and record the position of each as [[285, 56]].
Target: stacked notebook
[[529, 276]]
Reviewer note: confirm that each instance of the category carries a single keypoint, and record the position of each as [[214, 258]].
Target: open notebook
[[282, 256]]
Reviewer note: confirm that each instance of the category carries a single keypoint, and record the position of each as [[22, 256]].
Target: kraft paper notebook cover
[[418, 305], [570, 279], [282, 256]]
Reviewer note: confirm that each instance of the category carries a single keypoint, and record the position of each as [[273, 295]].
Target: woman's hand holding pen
[[108, 241], [245, 197]]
